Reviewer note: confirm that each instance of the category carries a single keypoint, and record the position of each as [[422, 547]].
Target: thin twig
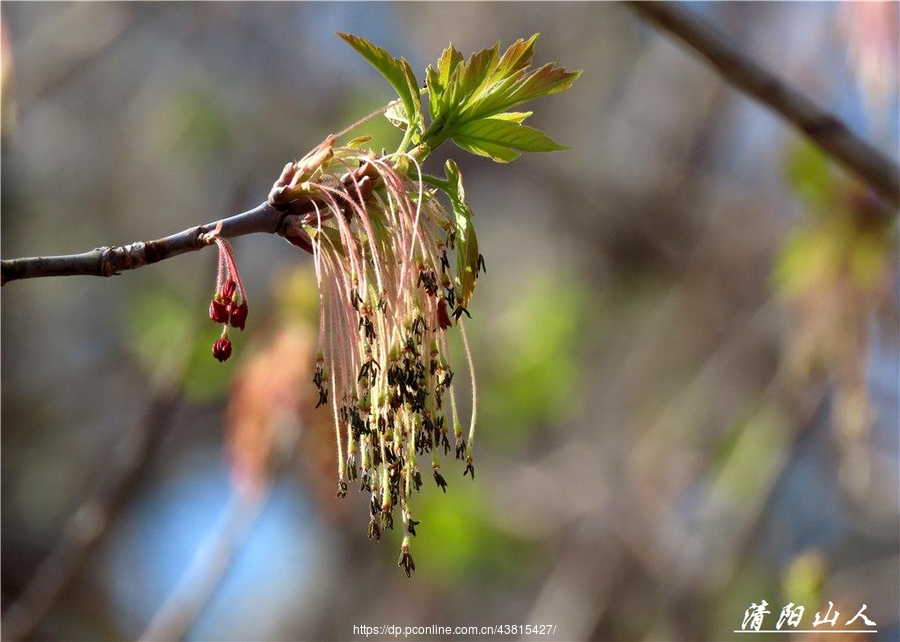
[[880, 172], [281, 214], [207, 570], [108, 261]]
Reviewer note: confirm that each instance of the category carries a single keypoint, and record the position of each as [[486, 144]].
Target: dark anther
[[395, 497], [481, 265], [439, 480], [419, 328], [460, 447], [458, 312], [411, 526], [369, 370], [342, 488], [374, 531], [428, 280], [419, 402], [450, 296], [445, 262], [406, 562], [470, 467], [387, 520]]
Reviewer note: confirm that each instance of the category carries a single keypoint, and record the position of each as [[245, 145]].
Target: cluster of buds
[[229, 303], [388, 296]]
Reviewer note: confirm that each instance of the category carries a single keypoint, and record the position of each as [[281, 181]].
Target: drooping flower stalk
[[229, 303], [379, 240]]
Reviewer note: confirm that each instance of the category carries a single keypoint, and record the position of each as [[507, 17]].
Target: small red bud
[[228, 289], [222, 349], [443, 317], [239, 316], [218, 311]]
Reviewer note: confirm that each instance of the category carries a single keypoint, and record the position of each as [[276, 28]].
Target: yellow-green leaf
[[502, 139], [396, 71], [517, 89], [466, 241], [518, 56]]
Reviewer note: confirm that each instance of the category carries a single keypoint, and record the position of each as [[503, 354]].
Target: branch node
[[106, 263]]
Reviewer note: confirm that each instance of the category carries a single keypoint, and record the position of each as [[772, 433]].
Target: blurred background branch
[[741, 71], [128, 461], [208, 568]]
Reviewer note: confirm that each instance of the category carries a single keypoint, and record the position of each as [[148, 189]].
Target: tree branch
[[207, 569], [109, 261], [880, 172], [283, 213]]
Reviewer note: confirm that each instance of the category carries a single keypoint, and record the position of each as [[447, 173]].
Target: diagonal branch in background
[[878, 171], [207, 569], [86, 528]]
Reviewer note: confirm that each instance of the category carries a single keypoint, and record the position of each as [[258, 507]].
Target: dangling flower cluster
[[387, 296], [229, 303]]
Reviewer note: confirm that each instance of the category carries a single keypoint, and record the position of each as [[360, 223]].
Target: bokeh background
[[686, 340]]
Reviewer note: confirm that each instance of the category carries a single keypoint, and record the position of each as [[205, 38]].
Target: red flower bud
[[218, 311], [222, 349], [228, 289], [239, 316], [443, 317]]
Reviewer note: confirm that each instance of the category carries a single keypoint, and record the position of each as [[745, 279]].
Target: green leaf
[[498, 153], [475, 73], [517, 89], [518, 56], [462, 93], [501, 139], [454, 83], [437, 80], [412, 86], [466, 241], [808, 172], [397, 72], [809, 259], [513, 116]]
